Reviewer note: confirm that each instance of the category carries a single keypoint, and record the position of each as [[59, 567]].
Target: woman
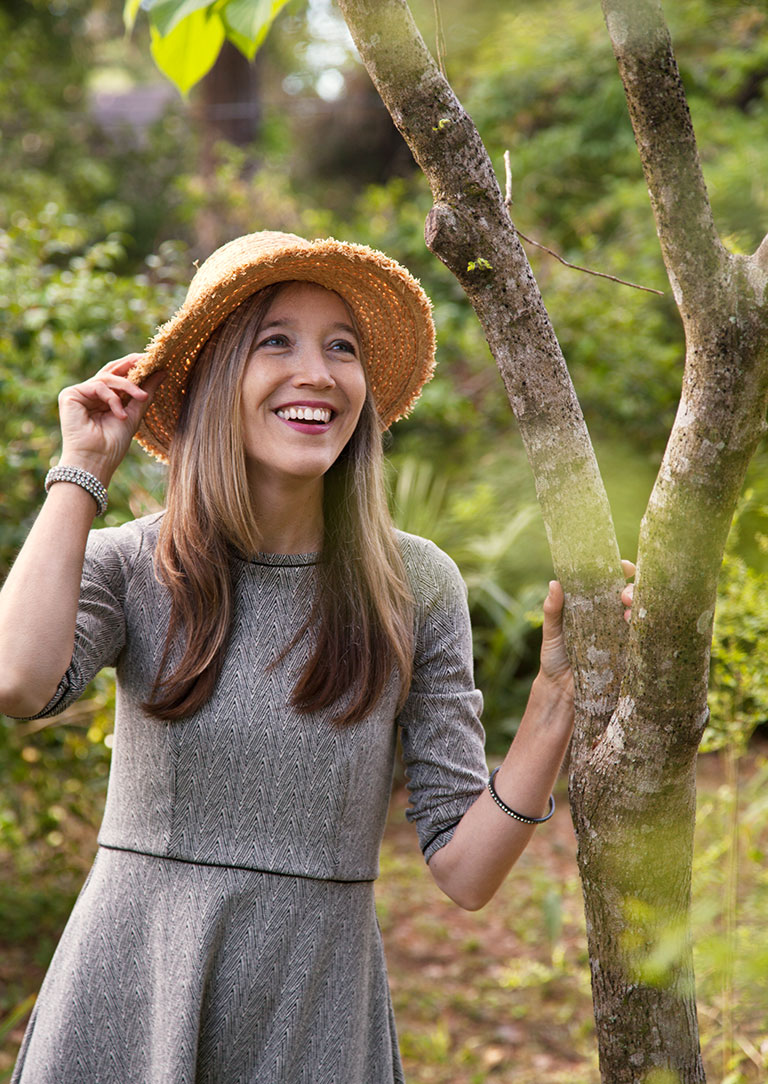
[[269, 630]]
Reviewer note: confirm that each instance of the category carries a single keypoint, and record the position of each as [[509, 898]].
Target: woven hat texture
[[393, 314]]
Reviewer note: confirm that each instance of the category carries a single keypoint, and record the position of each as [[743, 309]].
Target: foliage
[[188, 34], [738, 698], [66, 308]]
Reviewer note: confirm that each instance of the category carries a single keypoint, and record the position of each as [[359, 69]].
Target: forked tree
[[641, 700]]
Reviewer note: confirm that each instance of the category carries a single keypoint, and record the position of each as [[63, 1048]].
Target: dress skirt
[[173, 972]]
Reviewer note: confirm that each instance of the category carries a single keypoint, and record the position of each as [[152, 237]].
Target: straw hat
[[393, 314]]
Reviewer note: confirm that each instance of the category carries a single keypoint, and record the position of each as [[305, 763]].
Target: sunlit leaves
[[249, 21], [187, 35], [165, 15], [189, 51]]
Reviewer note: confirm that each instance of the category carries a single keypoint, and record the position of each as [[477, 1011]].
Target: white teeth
[[305, 414]]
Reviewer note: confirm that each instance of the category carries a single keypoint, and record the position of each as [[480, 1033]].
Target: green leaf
[[190, 50], [165, 15], [130, 11], [248, 21]]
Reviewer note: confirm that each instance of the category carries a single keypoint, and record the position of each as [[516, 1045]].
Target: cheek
[[357, 390]]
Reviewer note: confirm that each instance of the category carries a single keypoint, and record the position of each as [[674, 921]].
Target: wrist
[[97, 465], [557, 693]]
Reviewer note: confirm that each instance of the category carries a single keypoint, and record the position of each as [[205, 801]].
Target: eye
[[274, 340], [344, 346]]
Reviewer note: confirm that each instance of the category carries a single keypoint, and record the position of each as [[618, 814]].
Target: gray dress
[[226, 933]]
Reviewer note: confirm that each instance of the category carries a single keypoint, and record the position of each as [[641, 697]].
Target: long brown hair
[[362, 614]]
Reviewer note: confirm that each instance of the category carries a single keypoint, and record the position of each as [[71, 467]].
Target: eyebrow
[[278, 322]]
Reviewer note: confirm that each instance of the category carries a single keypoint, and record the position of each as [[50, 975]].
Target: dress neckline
[[279, 560]]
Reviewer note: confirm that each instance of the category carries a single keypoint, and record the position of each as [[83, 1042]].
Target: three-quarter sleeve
[[442, 737], [100, 624]]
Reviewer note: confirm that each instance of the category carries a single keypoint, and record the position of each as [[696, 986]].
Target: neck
[[290, 517]]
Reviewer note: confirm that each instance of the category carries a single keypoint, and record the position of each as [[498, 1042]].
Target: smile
[[319, 415]]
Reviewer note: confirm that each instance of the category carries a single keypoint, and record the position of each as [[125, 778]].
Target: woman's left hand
[[554, 658], [555, 666]]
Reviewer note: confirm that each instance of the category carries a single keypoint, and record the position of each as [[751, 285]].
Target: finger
[[553, 603], [121, 366], [629, 569], [124, 386], [148, 389], [627, 595], [153, 382], [553, 613], [97, 395]]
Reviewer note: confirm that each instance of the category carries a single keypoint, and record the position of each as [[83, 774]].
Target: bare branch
[[439, 38], [587, 270], [551, 252], [693, 253]]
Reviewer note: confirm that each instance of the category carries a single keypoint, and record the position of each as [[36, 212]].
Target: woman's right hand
[[100, 416]]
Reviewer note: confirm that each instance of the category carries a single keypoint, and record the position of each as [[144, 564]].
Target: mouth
[[307, 415]]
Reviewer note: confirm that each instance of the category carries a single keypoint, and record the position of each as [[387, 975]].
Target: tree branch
[[693, 253], [551, 251], [587, 270], [470, 230]]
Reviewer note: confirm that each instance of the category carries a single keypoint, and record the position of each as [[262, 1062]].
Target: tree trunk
[[633, 792], [641, 705]]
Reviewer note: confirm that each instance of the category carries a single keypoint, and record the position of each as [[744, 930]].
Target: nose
[[312, 369]]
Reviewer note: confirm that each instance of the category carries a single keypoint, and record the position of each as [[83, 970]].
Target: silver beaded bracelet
[[511, 813], [83, 478]]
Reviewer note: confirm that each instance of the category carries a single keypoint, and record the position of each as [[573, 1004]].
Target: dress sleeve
[[442, 737], [100, 624]]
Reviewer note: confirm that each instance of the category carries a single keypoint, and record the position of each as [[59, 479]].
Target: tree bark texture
[[641, 704]]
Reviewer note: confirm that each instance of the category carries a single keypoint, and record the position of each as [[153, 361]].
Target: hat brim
[[391, 310]]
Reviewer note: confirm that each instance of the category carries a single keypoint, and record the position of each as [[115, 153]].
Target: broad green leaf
[[190, 50], [130, 11], [250, 20], [165, 15]]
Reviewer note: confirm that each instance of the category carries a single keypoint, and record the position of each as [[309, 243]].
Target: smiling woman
[[272, 634], [301, 396]]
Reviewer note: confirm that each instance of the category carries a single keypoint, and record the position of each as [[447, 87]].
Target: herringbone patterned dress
[[226, 933]]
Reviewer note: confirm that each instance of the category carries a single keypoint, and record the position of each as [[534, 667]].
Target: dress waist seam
[[231, 865]]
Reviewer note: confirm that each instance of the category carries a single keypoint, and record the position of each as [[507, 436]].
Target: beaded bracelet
[[511, 813], [83, 478]]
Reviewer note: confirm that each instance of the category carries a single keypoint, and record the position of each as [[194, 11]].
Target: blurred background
[[112, 185]]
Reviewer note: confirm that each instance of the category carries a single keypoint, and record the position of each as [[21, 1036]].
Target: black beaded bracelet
[[510, 812]]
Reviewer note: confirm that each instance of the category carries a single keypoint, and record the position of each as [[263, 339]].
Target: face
[[303, 387]]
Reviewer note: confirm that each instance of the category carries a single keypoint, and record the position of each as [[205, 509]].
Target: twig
[[508, 188], [439, 39], [564, 262], [587, 270]]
